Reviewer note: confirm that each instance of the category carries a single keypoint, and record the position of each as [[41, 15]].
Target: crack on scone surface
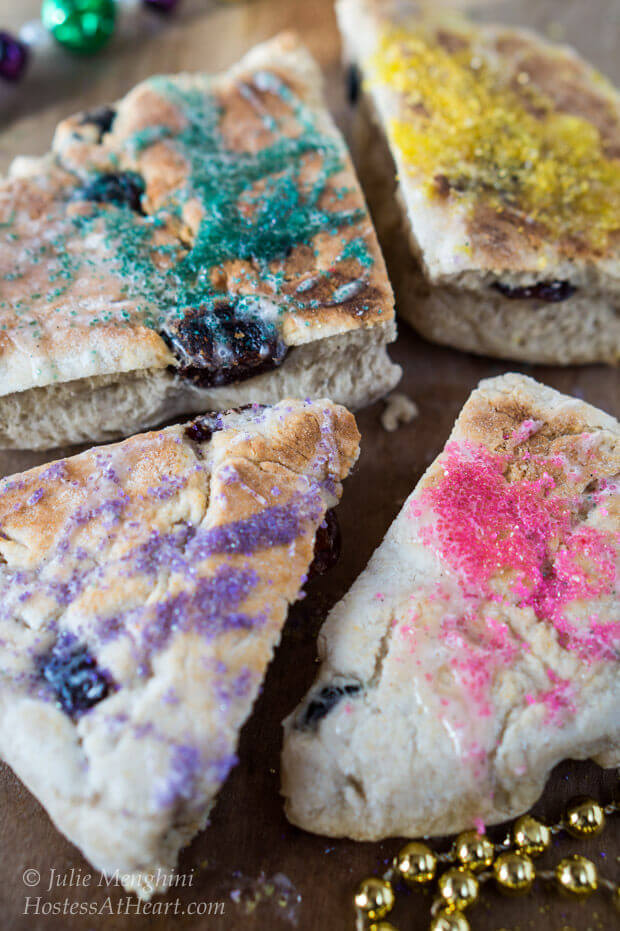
[[355, 783], [327, 545], [383, 648]]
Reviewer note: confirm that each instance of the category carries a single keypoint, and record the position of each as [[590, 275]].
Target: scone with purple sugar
[[503, 151], [481, 644], [144, 588], [202, 244]]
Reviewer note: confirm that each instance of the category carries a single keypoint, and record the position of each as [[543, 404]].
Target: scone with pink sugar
[[480, 645]]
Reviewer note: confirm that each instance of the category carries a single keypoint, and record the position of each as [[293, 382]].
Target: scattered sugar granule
[[399, 409]]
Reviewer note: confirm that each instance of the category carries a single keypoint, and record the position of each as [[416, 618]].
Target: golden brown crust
[[554, 436], [295, 437], [565, 79]]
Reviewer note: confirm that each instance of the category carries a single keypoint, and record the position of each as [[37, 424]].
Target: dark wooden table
[[249, 848]]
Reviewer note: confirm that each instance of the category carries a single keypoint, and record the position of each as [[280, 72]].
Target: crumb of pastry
[[399, 409]]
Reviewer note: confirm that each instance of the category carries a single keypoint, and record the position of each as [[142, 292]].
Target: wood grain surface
[[249, 848]]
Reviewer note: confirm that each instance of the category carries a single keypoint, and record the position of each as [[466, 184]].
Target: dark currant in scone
[[353, 84], [109, 187], [550, 291], [101, 117], [222, 345], [323, 701], [202, 428], [326, 545], [73, 675]]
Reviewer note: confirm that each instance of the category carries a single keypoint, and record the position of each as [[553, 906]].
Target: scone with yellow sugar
[[506, 151]]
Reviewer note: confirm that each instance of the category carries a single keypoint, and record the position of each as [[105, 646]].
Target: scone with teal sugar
[[202, 244], [144, 588], [481, 644], [491, 162]]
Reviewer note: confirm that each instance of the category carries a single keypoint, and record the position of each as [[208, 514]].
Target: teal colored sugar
[[255, 207], [357, 249], [260, 227]]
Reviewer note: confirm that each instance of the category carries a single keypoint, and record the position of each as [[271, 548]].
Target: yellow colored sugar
[[465, 123]]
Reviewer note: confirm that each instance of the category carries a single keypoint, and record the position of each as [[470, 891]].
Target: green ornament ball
[[82, 26]]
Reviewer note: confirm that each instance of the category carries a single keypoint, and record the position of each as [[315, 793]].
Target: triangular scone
[[144, 587], [505, 152], [480, 645], [204, 243]]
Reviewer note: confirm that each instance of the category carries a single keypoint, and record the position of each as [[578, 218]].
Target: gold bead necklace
[[474, 860]]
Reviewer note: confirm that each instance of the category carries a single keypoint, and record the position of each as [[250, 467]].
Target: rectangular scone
[[481, 644], [504, 150], [144, 587], [202, 244]]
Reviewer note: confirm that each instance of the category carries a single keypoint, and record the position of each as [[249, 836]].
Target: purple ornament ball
[[13, 57], [161, 6]]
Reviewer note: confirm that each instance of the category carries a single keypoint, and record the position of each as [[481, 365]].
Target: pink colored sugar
[[530, 536], [485, 526], [524, 431], [558, 700], [477, 651]]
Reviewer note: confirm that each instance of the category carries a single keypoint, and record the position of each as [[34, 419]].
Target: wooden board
[[249, 841]]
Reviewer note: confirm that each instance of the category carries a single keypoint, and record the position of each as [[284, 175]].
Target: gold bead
[[449, 921], [416, 863], [458, 888], [577, 875], [531, 836], [514, 872], [473, 850], [382, 926], [375, 897], [584, 817]]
